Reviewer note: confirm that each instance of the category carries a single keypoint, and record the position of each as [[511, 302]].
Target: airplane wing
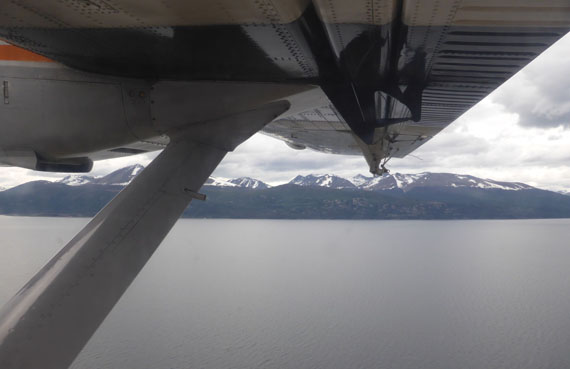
[[394, 72]]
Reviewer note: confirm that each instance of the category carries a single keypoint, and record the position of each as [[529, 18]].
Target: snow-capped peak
[[247, 182], [76, 180], [120, 177], [219, 182], [406, 182], [359, 179], [242, 182], [323, 180]]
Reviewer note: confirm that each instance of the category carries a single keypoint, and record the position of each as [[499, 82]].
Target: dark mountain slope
[[398, 196]]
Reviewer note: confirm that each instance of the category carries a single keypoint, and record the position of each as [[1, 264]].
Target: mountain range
[[392, 196], [405, 182]]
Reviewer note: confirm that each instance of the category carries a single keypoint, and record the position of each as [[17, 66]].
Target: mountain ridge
[[395, 196], [406, 182], [124, 176]]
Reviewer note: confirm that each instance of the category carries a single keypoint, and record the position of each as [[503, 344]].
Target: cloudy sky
[[521, 132]]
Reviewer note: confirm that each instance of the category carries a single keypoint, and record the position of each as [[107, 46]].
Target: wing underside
[[394, 72]]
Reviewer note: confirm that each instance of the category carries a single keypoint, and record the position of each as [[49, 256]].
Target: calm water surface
[[328, 294]]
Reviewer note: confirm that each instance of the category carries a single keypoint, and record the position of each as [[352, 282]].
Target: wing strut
[[47, 323]]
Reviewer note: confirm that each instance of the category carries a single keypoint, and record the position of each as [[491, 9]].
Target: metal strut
[[47, 323]]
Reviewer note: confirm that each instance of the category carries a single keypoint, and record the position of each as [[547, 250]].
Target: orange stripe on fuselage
[[14, 53]]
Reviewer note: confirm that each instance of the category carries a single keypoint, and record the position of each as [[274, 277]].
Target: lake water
[[328, 294]]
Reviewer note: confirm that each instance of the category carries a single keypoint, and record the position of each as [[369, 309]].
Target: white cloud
[[496, 146]]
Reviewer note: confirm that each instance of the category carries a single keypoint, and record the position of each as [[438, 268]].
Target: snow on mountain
[[406, 182], [359, 180], [121, 177], [76, 180], [242, 182], [247, 182], [390, 181], [219, 182], [124, 176], [325, 180]]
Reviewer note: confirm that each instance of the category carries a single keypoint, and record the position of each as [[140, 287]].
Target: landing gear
[[380, 167]]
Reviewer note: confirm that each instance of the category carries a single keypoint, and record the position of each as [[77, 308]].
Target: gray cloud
[[540, 93], [272, 161]]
